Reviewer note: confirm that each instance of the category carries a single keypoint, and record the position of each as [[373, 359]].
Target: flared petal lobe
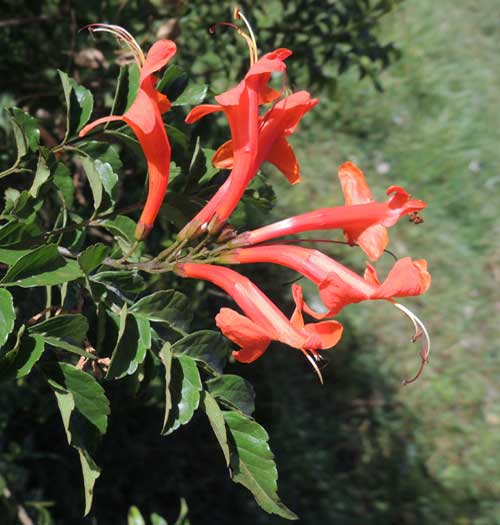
[[252, 340], [158, 56], [373, 239]]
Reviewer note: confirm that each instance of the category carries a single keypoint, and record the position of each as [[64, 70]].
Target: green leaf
[[126, 89], [135, 517], [182, 518], [129, 350], [166, 358], [16, 233], [200, 167], [64, 183], [42, 175], [122, 283], [102, 180], [193, 95], [88, 395], [207, 346], [26, 135], [234, 391], [210, 169], [108, 177], [66, 331], [20, 205], [90, 473], [156, 519], [84, 410], [167, 306], [19, 361], [7, 315], [217, 422], [43, 266], [94, 180], [184, 389], [79, 104], [11, 256], [29, 127], [123, 229], [105, 152], [92, 257], [173, 82], [177, 138], [252, 463]]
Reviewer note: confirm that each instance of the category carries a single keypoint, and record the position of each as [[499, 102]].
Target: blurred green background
[[361, 449]]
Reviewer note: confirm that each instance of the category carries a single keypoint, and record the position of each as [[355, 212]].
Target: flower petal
[[297, 320], [158, 56], [252, 339], [142, 115], [406, 278], [223, 157], [164, 104], [92, 125], [354, 186], [401, 204], [337, 293], [268, 94], [371, 276], [283, 157], [323, 335], [373, 240], [200, 111]]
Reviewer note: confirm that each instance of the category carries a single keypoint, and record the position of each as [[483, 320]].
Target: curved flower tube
[[263, 321], [363, 220], [338, 285], [254, 139], [145, 118]]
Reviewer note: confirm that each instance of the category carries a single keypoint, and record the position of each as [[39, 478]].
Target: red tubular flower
[[338, 285], [363, 220], [263, 322], [144, 117], [278, 123], [254, 139]]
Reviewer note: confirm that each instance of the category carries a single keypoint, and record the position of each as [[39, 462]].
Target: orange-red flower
[[145, 118], [263, 322], [338, 285], [278, 123], [363, 220], [254, 139]]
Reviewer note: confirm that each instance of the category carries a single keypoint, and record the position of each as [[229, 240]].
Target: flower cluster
[[257, 136]]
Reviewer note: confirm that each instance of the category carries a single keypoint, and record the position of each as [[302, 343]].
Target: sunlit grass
[[435, 131]]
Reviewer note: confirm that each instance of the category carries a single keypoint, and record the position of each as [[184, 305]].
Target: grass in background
[[434, 131]]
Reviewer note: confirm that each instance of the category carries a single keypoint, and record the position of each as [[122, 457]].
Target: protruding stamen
[[238, 15], [313, 363], [420, 333], [249, 39], [123, 36]]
